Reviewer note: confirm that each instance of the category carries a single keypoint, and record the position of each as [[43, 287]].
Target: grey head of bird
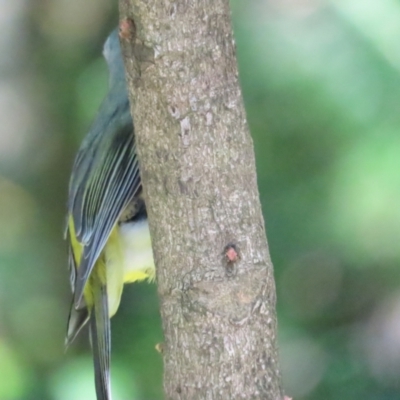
[[113, 56]]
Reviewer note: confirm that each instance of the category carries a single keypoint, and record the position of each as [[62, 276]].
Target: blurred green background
[[321, 82]]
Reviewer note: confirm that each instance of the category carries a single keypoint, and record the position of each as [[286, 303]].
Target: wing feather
[[105, 179]]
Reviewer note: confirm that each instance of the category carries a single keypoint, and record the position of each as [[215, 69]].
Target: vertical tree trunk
[[215, 277]]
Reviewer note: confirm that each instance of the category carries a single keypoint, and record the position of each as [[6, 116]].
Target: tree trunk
[[214, 273]]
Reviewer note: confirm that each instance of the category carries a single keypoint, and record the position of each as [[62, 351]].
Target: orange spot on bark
[[127, 29], [231, 254]]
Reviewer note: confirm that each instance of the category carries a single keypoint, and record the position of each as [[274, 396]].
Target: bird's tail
[[76, 321], [101, 341]]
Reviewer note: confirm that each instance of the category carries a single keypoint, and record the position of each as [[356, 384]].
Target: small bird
[[107, 230]]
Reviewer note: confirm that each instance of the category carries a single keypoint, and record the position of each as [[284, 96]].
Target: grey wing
[[105, 179]]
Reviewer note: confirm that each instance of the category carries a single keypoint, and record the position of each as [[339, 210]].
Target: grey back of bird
[[105, 178], [105, 175]]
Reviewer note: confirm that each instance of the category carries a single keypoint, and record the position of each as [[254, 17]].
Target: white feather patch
[[137, 250]]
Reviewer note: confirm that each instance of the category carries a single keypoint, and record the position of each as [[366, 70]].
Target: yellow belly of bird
[[127, 257]]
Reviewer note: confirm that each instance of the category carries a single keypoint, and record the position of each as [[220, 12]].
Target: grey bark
[[198, 171]]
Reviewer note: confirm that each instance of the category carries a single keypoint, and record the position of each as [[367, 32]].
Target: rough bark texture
[[199, 178]]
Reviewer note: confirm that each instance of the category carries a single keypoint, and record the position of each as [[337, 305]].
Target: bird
[[107, 231]]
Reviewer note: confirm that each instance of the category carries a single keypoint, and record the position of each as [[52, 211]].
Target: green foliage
[[321, 86]]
